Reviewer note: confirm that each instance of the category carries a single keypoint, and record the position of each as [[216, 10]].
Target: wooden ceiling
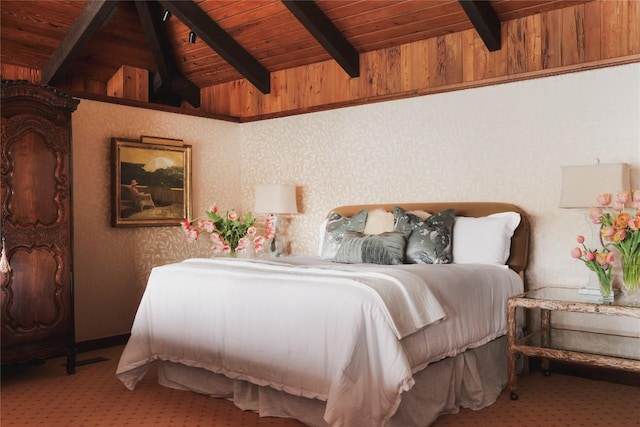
[[245, 39]]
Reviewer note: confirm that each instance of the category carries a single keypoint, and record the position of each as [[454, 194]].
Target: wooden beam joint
[[92, 17], [485, 20]]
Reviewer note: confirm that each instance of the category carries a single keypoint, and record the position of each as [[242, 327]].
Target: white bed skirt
[[473, 379]]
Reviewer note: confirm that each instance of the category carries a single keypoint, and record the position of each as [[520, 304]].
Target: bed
[[350, 343]]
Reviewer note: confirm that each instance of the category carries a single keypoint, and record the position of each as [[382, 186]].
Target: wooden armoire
[[36, 223]]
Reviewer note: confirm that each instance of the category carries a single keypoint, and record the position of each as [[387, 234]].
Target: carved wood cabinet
[[37, 294]]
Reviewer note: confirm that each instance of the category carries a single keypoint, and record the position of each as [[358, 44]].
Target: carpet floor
[[44, 395]]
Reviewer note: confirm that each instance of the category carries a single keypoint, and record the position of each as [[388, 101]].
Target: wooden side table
[[590, 348]]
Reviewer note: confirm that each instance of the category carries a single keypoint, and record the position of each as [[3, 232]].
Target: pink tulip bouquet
[[598, 262], [619, 227], [619, 221], [229, 235]]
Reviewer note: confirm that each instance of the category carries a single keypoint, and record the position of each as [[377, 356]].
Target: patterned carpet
[[44, 395]]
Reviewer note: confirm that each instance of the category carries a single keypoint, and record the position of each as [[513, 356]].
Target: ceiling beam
[[172, 80], [93, 15], [221, 42], [485, 20], [326, 33]]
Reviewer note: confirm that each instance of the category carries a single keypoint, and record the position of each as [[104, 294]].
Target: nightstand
[[597, 349]]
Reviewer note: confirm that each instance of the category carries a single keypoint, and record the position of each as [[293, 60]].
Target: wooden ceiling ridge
[[169, 84], [221, 42], [172, 85]]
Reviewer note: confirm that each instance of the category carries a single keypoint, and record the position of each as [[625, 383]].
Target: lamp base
[[280, 245], [276, 248]]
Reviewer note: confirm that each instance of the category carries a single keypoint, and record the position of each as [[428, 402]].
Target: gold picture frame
[[151, 183]]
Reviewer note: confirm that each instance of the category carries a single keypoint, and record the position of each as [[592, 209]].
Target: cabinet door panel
[[33, 198], [36, 304]]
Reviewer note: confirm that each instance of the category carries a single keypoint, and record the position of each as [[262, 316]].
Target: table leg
[[511, 354], [545, 326]]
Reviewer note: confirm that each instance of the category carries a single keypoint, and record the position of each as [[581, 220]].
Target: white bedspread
[[408, 304], [313, 329]]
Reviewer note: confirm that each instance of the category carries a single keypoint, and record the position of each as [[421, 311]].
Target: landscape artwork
[[151, 183]]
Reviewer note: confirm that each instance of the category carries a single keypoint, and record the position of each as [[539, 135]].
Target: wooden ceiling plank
[[249, 12], [486, 22], [508, 10], [213, 35], [94, 14], [417, 30], [411, 30], [389, 14], [323, 30], [172, 80]]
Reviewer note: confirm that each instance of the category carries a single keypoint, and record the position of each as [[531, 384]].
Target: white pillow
[[485, 240], [379, 221]]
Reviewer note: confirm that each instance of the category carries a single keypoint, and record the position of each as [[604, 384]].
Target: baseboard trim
[[100, 343], [590, 372]]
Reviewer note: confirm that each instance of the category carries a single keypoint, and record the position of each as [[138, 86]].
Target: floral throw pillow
[[429, 240], [337, 226]]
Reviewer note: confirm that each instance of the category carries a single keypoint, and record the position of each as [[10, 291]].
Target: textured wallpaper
[[112, 265], [501, 143]]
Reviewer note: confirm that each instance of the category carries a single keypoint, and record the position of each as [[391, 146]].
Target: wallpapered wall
[[501, 143], [112, 264]]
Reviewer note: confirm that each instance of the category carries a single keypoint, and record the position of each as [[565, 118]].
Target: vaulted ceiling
[[234, 40]]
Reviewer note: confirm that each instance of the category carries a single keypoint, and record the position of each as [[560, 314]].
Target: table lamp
[[278, 200]]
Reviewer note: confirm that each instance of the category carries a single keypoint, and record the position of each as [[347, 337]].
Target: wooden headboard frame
[[519, 242]]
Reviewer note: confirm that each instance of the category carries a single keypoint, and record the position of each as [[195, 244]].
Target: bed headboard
[[519, 242]]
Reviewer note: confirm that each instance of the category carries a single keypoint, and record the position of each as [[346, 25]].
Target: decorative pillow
[[337, 226], [485, 240], [385, 248], [430, 239], [379, 221]]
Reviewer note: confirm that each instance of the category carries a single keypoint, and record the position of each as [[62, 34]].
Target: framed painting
[[151, 183]]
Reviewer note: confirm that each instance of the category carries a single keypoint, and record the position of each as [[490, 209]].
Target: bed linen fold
[[406, 299]]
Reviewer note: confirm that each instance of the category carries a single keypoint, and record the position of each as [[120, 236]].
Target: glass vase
[[631, 274], [606, 290]]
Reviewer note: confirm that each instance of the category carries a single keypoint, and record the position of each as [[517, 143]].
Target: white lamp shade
[[581, 185], [275, 198]]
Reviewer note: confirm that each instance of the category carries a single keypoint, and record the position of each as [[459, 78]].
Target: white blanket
[[407, 302], [309, 332]]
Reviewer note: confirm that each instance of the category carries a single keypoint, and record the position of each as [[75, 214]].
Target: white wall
[[499, 143]]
